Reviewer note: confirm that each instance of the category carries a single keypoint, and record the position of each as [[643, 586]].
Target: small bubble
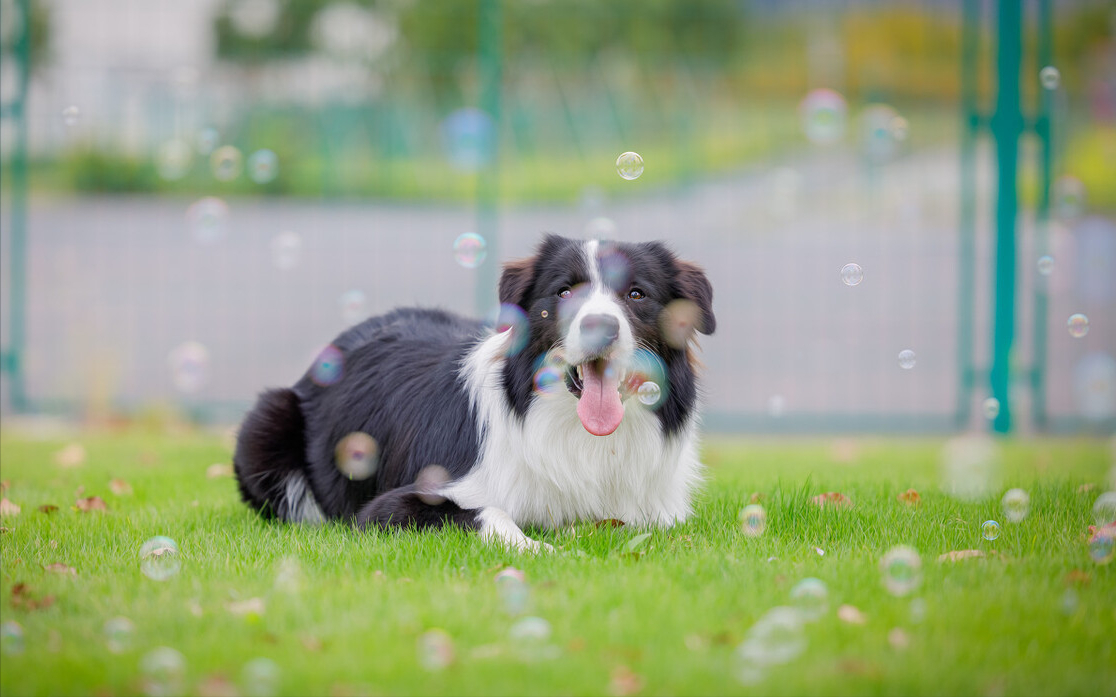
[[119, 632], [990, 530], [71, 115], [533, 629], [226, 163], [1050, 77], [906, 359], [11, 638], [513, 590], [429, 483], [470, 250], [352, 304], [600, 228], [189, 366], [1069, 196], [1104, 509], [511, 318], [1046, 265], [823, 113], [753, 520], [207, 140], [776, 405], [173, 159], [206, 219], [549, 379], [1102, 546], [328, 366], [1016, 504], [775, 639], [629, 165], [263, 166], [260, 677], [159, 558], [435, 650], [852, 274], [1078, 325], [357, 456], [649, 393], [678, 321], [991, 408], [164, 670], [811, 598], [286, 248], [901, 569]]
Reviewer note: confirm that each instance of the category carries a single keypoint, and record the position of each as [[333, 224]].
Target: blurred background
[[197, 197]]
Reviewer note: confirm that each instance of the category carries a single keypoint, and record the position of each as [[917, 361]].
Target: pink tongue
[[599, 408]]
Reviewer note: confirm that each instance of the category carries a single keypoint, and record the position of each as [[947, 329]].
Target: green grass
[[672, 613]]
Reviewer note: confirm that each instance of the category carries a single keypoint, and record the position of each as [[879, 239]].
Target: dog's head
[[608, 322]]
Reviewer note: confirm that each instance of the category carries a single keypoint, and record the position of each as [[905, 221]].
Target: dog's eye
[[635, 294], [565, 293]]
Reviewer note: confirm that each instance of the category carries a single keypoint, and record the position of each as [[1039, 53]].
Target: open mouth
[[599, 390]]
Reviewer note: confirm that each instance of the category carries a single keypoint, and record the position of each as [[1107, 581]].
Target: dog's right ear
[[515, 283]]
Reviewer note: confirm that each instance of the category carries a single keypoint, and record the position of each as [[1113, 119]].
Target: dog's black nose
[[598, 332]]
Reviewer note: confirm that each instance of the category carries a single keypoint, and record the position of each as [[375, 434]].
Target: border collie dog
[[579, 404]]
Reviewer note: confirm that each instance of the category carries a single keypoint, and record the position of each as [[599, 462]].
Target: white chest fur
[[547, 470]]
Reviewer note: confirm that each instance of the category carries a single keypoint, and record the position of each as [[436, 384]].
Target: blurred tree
[[38, 25]]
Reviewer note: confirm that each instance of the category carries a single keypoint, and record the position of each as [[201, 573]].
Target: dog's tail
[[270, 460]]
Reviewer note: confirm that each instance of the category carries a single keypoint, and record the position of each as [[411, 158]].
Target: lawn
[[341, 612]]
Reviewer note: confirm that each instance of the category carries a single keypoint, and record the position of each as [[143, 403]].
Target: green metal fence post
[[1007, 123], [1044, 131], [490, 46], [966, 242]]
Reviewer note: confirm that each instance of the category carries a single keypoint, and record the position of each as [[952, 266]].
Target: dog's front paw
[[496, 526]]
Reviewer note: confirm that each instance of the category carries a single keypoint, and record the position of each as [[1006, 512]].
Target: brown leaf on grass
[[311, 642], [1086, 488], [219, 469], [832, 498], [1078, 577], [852, 666], [610, 523], [851, 614], [624, 682], [898, 639], [60, 568], [217, 686], [959, 554], [48, 508], [120, 487], [910, 497], [23, 600], [73, 455], [5, 530], [90, 503], [8, 508]]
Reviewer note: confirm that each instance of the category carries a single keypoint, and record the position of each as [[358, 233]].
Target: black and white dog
[[579, 405]]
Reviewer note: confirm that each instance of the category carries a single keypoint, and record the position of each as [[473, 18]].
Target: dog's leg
[[407, 506]]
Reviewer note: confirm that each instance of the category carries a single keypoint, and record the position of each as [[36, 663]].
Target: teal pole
[[17, 264], [1007, 123], [966, 243], [1044, 128], [490, 45]]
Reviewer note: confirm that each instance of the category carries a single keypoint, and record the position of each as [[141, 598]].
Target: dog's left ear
[[690, 283], [515, 283]]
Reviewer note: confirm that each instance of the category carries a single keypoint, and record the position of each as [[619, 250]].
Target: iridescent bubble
[[629, 165], [852, 274], [970, 467], [811, 598], [1050, 77], [119, 633], [352, 306], [207, 140], [226, 163], [1046, 265], [600, 228], [513, 590], [899, 128], [429, 483], [678, 321], [435, 650], [11, 638], [753, 520], [1104, 509], [470, 250], [823, 113], [164, 672], [918, 610], [616, 270], [530, 629], [286, 248], [1078, 325], [469, 138], [901, 569], [328, 366], [263, 166], [549, 379], [906, 359], [990, 530], [777, 638], [189, 366], [71, 115], [877, 132], [1016, 504], [1069, 602], [260, 677], [1069, 196], [991, 408], [776, 405], [159, 558], [511, 318], [649, 393], [173, 159], [1102, 546], [206, 219], [357, 456]]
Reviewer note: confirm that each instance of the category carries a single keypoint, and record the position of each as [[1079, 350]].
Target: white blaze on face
[[599, 408]]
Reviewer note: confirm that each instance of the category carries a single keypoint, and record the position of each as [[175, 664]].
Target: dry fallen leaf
[[610, 523], [22, 599], [60, 568], [120, 487], [311, 642], [959, 554], [73, 455], [1086, 488], [832, 498], [251, 606], [4, 530], [1077, 576], [898, 639], [90, 503], [219, 470], [8, 508], [217, 686], [851, 614], [48, 508], [910, 497], [625, 682]]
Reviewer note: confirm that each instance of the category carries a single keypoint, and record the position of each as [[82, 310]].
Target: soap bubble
[[970, 467], [513, 590], [173, 159], [357, 456], [352, 306], [470, 250], [877, 132], [990, 530], [776, 405], [549, 379], [226, 163], [1102, 546], [429, 483], [159, 558], [678, 321], [533, 629], [991, 408], [753, 520], [1050, 77], [901, 569], [629, 165], [1078, 325], [906, 359], [852, 274], [206, 219], [435, 650], [71, 115], [207, 140], [286, 248], [509, 317], [823, 116], [11, 638], [119, 632], [260, 677], [469, 139], [189, 366], [811, 597], [1104, 509], [328, 366], [1046, 265], [263, 166], [164, 670], [1016, 504], [649, 393], [616, 269], [600, 228], [775, 639], [1069, 196]]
